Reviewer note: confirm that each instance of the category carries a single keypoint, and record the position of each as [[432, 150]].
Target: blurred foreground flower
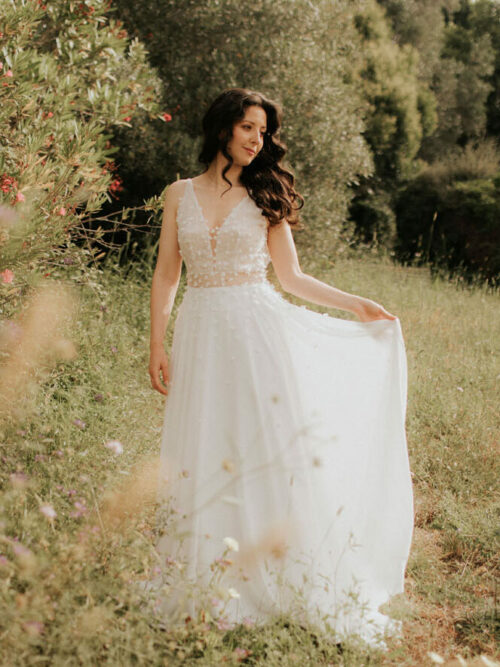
[[231, 543], [37, 344], [7, 276], [48, 511], [131, 497]]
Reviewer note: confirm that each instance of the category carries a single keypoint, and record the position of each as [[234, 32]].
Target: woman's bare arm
[[286, 265], [164, 286]]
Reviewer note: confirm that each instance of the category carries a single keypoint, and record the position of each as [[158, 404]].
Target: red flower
[[7, 182], [167, 117], [127, 118]]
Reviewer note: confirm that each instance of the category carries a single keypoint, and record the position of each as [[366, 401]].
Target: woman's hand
[[368, 310], [158, 361]]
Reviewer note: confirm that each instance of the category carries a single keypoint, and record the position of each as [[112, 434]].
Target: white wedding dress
[[284, 431]]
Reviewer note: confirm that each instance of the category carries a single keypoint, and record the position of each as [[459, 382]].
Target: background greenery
[[392, 120]]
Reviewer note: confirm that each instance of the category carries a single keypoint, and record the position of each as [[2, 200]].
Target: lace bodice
[[234, 253]]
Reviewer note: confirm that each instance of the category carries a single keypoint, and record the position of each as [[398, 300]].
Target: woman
[[284, 481]]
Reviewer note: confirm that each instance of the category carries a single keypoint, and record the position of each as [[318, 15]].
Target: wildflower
[[33, 627], [19, 479], [78, 422], [20, 550], [231, 543], [48, 511], [114, 349], [20, 196], [233, 593], [7, 276], [241, 653], [223, 624], [61, 211], [9, 73], [115, 446], [166, 117]]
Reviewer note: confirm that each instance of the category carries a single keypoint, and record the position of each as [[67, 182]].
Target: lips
[[250, 151]]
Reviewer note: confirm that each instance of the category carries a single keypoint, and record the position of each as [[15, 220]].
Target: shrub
[[67, 75], [450, 214]]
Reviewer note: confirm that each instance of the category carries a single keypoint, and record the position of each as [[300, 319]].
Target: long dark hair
[[268, 182]]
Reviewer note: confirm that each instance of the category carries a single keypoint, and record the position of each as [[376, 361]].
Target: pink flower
[[9, 73], [20, 196], [19, 479], [7, 276], [166, 117], [61, 211], [241, 653], [34, 627], [79, 423], [20, 550], [127, 118], [223, 624]]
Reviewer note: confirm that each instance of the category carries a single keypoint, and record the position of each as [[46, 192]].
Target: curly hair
[[268, 182]]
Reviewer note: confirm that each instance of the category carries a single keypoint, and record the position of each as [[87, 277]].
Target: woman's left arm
[[286, 265]]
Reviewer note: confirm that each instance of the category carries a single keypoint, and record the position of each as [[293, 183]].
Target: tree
[[300, 53]]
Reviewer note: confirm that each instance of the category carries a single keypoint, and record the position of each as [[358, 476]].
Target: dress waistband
[[226, 279]]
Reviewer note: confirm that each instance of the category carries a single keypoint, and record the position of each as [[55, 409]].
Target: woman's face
[[248, 136]]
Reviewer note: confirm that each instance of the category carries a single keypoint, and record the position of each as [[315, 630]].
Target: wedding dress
[[284, 480]]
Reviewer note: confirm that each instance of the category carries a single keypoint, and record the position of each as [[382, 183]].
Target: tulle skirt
[[284, 483]]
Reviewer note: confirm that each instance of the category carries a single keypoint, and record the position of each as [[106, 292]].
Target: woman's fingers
[[154, 373]]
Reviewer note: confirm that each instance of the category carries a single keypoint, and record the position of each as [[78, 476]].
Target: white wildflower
[[115, 446], [231, 543]]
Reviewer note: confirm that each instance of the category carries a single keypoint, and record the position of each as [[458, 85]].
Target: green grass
[[77, 578]]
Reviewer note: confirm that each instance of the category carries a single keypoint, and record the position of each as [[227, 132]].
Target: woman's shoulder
[[175, 190]]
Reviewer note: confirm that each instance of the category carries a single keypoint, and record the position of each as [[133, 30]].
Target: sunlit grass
[[67, 577]]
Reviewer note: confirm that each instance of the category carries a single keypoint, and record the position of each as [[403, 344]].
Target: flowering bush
[[68, 73]]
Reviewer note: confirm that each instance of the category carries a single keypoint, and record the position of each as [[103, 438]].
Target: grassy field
[[76, 515]]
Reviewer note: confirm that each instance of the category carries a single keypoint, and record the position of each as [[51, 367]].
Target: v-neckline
[[214, 230]]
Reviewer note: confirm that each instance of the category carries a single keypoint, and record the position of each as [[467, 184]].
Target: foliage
[[299, 53], [401, 112], [449, 215], [68, 74]]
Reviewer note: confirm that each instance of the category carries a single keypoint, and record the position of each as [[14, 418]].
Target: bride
[[284, 481]]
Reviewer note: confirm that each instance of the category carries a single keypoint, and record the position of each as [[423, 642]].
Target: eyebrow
[[262, 127]]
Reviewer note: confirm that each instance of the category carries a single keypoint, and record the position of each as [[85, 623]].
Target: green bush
[[449, 215], [68, 74]]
